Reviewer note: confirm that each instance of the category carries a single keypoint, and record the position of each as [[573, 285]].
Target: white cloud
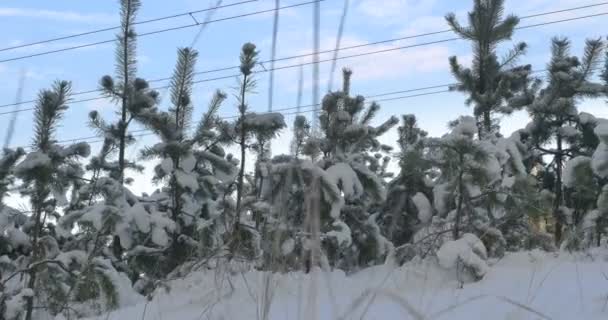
[[393, 64], [425, 24], [66, 16], [390, 11]]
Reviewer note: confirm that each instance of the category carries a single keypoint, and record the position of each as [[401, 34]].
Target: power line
[[86, 33], [146, 132], [312, 63], [189, 13], [208, 18], [315, 106], [154, 32], [343, 49]]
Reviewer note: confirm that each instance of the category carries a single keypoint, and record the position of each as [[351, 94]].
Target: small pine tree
[[189, 161], [133, 94], [495, 86], [247, 128], [45, 173], [347, 144], [410, 190], [465, 171], [555, 119]]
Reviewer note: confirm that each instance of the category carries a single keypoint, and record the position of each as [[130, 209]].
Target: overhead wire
[[315, 107], [33, 55], [87, 33], [337, 58], [368, 53], [312, 108]]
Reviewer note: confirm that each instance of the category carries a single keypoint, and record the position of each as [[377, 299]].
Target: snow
[[468, 250], [94, 215], [140, 216], [602, 131], [167, 165], [547, 286], [7, 217], [568, 131], [425, 211], [586, 118], [342, 234], [336, 208], [122, 284], [288, 246], [60, 197], [342, 115], [159, 237], [15, 304], [440, 197], [76, 256], [342, 175], [17, 237], [33, 160], [467, 126], [571, 167], [186, 180], [265, 120], [511, 147], [188, 163], [599, 160], [508, 182]]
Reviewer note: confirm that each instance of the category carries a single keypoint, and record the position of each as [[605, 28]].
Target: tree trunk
[[456, 232], [177, 251], [35, 253], [558, 191], [487, 123], [242, 143], [125, 93]]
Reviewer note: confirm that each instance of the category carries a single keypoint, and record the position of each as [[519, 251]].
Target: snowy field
[[526, 285]]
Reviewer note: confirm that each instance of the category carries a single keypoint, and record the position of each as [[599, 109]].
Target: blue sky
[[27, 21]]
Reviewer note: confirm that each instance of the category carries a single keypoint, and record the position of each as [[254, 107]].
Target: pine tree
[[189, 161], [248, 60], [347, 145], [495, 86], [10, 222], [555, 119], [585, 192], [465, 171], [132, 93], [247, 128], [45, 173], [408, 203]]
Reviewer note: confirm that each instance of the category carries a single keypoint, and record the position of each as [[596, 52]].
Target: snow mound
[[539, 283], [468, 251]]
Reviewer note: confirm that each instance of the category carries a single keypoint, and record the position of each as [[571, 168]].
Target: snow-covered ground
[[527, 285]]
